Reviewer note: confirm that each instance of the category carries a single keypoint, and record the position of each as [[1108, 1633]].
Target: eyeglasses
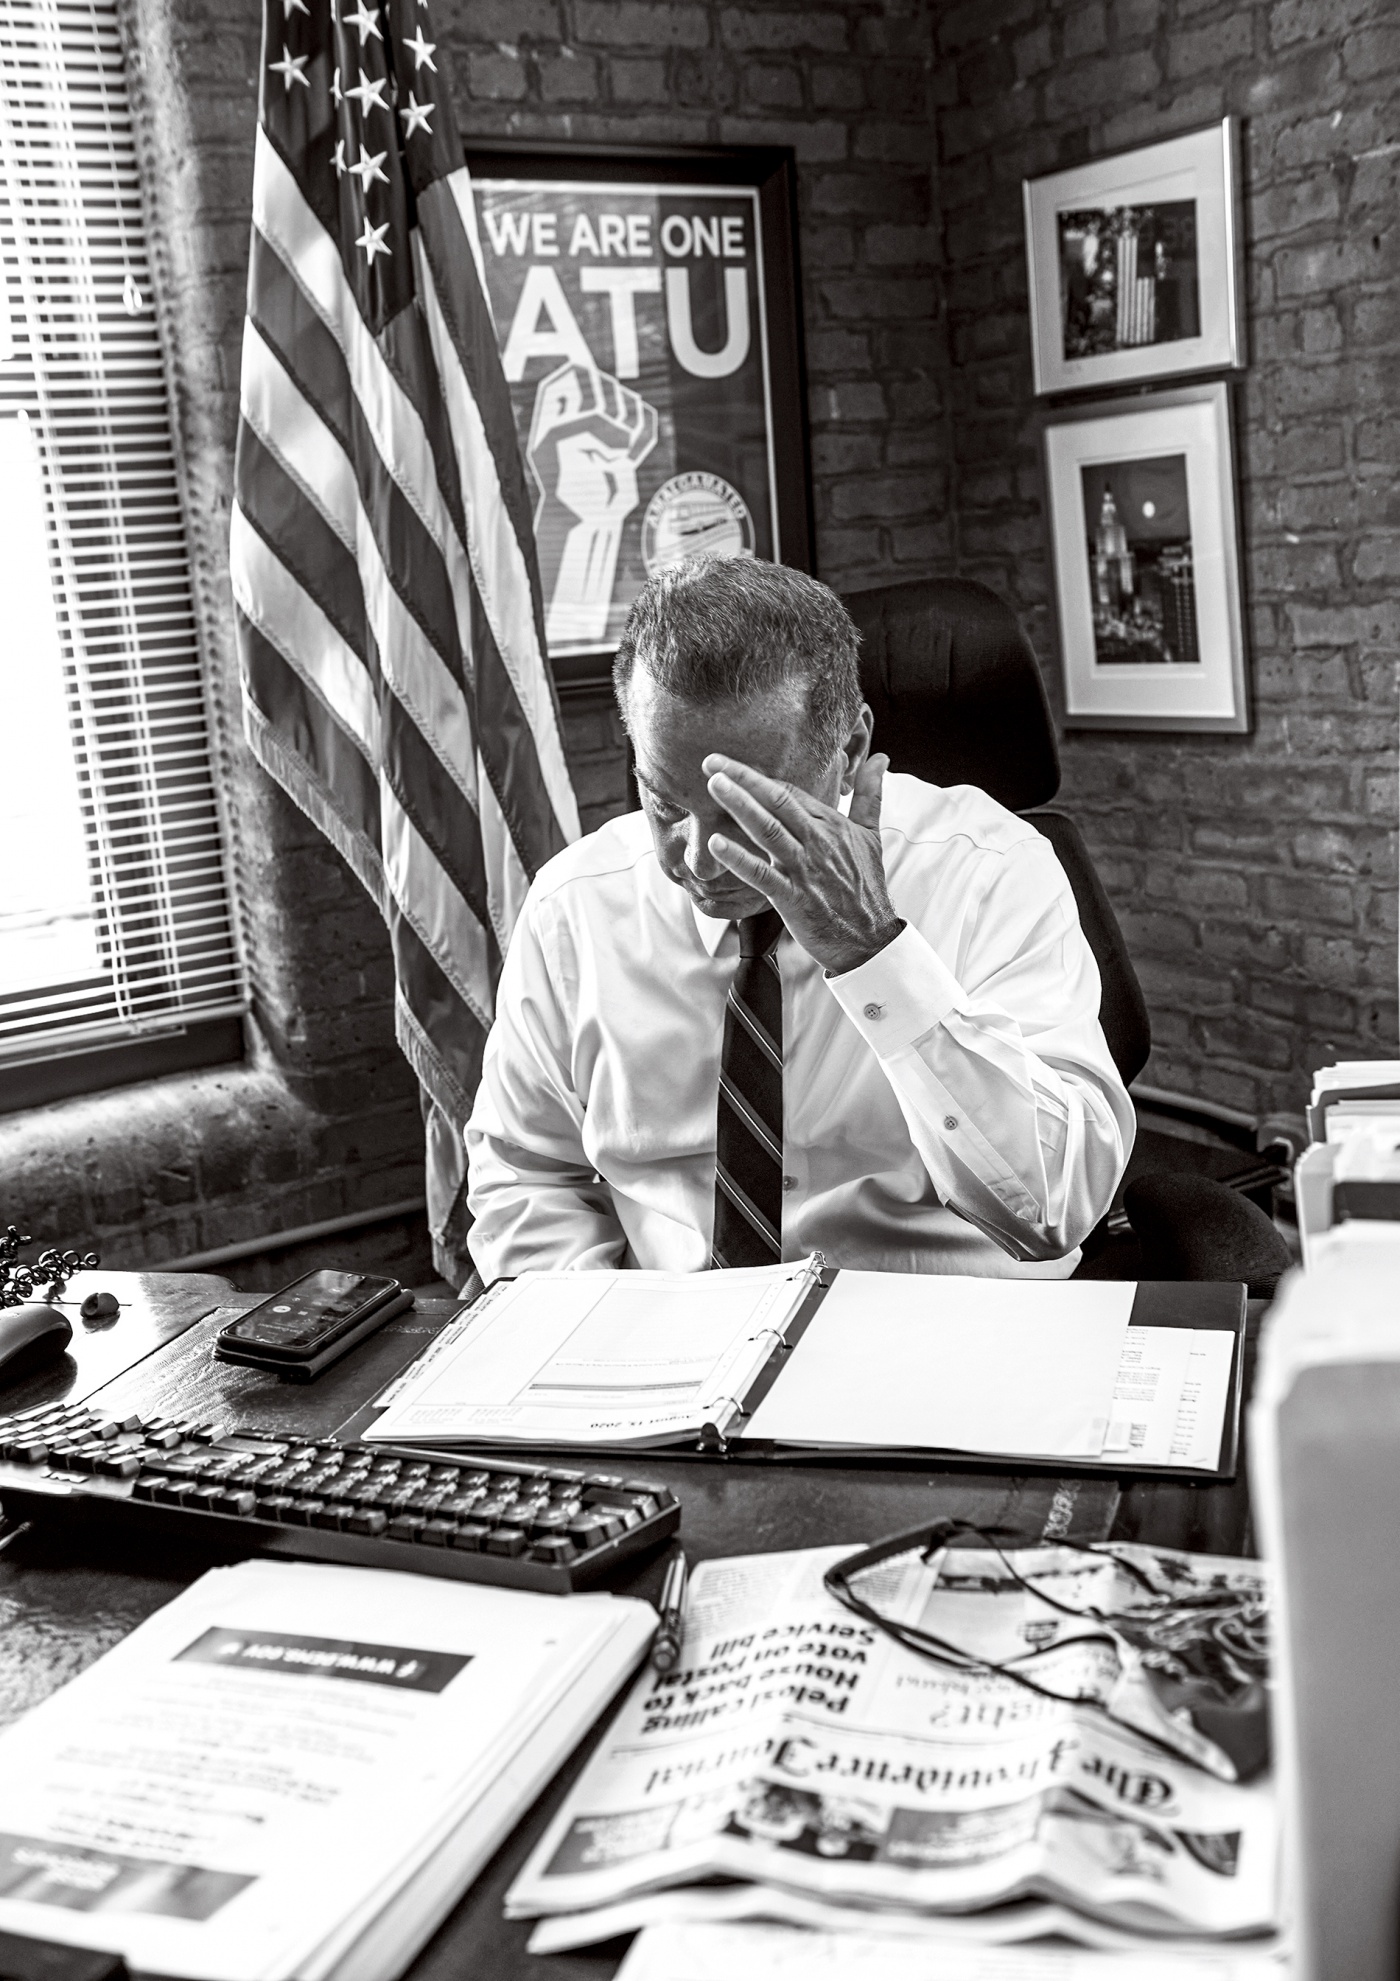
[[1201, 1649]]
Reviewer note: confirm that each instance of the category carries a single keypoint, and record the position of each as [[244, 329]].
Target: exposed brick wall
[[851, 85], [1255, 876], [324, 1120]]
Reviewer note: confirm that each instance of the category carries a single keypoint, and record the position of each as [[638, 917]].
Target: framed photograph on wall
[[646, 308], [1145, 553], [1135, 264]]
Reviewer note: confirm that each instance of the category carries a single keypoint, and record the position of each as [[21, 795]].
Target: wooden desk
[[61, 1607]]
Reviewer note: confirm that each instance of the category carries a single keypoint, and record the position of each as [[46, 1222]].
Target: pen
[[667, 1646]]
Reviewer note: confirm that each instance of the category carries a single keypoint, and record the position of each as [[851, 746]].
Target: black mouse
[[30, 1337]]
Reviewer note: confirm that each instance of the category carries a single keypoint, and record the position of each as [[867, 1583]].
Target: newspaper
[[707, 1907], [802, 1749]]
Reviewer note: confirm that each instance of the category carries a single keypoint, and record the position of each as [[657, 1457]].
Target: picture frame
[[648, 316], [1144, 529], [1135, 264]]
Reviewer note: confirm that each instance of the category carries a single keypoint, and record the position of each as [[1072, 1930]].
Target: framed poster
[[1145, 553], [1135, 264], [646, 312]]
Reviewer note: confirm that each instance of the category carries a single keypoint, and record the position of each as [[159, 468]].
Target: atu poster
[[631, 326]]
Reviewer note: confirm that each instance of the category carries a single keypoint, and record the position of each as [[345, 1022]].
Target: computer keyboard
[[474, 1519]]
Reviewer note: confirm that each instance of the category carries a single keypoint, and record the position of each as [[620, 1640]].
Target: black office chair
[[958, 699]]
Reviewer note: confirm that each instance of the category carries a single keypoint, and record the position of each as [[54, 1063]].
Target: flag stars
[[372, 241], [336, 91], [417, 116], [290, 7], [338, 159], [369, 169], [290, 70], [365, 21], [422, 51], [368, 94]]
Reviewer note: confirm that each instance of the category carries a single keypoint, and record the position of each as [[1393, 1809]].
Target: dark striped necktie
[[749, 1139]]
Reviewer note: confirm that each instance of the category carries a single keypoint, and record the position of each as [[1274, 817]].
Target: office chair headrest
[[956, 691]]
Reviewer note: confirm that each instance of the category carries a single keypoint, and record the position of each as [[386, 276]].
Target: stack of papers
[[1352, 1095], [295, 1770], [704, 1952], [1354, 1121], [782, 1357]]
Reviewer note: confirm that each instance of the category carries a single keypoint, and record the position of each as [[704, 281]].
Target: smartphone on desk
[[311, 1323]]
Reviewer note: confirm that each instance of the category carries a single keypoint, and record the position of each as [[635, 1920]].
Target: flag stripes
[[396, 426], [507, 585], [481, 417], [316, 554], [458, 294], [292, 621], [384, 572], [442, 920], [346, 482], [519, 738], [314, 370], [330, 757], [439, 814]]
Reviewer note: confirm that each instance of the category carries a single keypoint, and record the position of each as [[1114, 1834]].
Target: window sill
[[37, 1082]]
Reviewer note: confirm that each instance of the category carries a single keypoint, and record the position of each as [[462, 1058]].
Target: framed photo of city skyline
[[1145, 555], [1134, 264]]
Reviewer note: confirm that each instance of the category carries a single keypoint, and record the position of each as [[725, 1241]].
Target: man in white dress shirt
[[948, 1102]]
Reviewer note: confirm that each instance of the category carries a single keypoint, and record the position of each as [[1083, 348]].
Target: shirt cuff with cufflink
[[901, 993]]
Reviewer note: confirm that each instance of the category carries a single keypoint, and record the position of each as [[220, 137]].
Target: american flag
[[384, 573]]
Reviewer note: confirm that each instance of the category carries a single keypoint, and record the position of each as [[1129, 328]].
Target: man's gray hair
[[717, 629]]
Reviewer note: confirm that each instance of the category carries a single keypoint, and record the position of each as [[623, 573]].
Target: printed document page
[[595, 1358], [1170, 1398], [1021, 1368], [271, 1754]]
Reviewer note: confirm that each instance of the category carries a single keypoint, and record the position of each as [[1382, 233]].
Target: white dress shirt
[[949, 1106]]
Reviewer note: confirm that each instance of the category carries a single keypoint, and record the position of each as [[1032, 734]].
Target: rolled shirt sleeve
[[1001, 1069]]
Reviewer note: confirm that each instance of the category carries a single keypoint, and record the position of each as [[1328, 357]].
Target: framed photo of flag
[[646, 316], [1135, 264], [1144, 533]]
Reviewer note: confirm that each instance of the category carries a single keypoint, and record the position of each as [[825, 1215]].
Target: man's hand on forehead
[[823, 871]]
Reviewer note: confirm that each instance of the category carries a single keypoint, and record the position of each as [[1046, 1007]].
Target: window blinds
[[81, 371]]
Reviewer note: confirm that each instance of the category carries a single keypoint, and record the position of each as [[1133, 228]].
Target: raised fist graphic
[[588, 436]]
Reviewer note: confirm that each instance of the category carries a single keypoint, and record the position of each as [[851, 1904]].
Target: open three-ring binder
[[798, 1360]]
